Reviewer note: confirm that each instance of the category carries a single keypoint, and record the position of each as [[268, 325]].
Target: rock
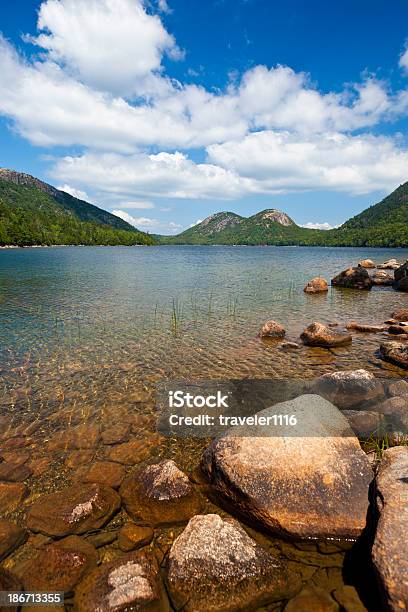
[[396, 409], [317, 334], [130, 453], [160, 494], [401, 285], [366, 423], [312, 598], [366, 263], [309, 480], [11, 472], [395, 353], [401, 272], [348, 599], [364, 327], [391, 264], [215, 566], [399, 388], [103, 472], [39, 466], [59, 566], [80, 437], [133, 536], [116, 433], [11, 537], [382, 278], [401, 314], [9, 582], [272, 329], [77, 509], [316, 285], [15, 457], [288, 346], [79, 457], [130, 582], [390, 555], [348, 388], [397, 330], [11, 495], [102, 538], [353, 278]]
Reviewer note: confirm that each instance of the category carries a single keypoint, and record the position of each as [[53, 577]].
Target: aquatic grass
[[232, 306], [379, 444], [176, 315]]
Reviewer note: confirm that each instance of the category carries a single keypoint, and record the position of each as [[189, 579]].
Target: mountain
[[33, 212], [383, 224]]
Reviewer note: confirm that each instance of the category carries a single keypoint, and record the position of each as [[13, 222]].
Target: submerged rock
[[11, 536], [353, 278], [366, 263], [398, 388], [59, 566], [131, 582], [104, 472], [310, 480], [366, 423], [80, 437], [397, 330], [401, 285], [160, 494], [133, 536], [396, 409], [317, 334], [316, 285], [401, 314], [395, 352], [11, 495], [131, 452], [74, 510], [272, 329], [312, 599], [365, 327], [390, 554], [348, 599], [348, 388], [214, 566], [12, 472], [9, 582]]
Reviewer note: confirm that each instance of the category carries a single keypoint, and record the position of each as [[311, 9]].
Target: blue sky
[[166, 112]]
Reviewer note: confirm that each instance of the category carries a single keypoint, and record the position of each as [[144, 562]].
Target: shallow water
[[87, 332]]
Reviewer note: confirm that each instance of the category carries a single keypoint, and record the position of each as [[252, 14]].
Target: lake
[[87, 332]]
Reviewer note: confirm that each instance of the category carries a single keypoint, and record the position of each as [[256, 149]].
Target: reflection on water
[[91, 328]]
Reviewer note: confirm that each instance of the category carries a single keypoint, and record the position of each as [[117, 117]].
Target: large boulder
[[348, 388], [11, 536], [396, 410], [160, 494], [131, 582], [353, 278], [75, 510], [366, 263], [390, 554], [316, 285], [272, 329], [395, 352], [214, 566], [366, 423], [401, 285], [308, 480], [318, 334]]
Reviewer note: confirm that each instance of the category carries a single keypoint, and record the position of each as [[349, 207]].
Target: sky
[[166, 111]]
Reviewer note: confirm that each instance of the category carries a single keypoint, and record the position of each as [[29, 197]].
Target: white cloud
[[196, 222], [111, 45], [135, 221], [77, 193], [172, 175], [282, 161], [319, 226], [403, 60], [137, 204]]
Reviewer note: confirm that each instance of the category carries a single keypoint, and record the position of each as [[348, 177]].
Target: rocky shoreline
[[314, 520]]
